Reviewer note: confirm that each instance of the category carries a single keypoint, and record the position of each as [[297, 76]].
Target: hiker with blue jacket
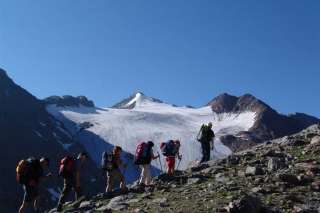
[[170, 150]]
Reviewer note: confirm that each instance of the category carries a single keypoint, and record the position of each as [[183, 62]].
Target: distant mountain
[[269, 124], [27, 129], [70, 101]]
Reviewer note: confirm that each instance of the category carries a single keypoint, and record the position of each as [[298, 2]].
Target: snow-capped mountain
[[141, 118], [136, 100], [269, 124]]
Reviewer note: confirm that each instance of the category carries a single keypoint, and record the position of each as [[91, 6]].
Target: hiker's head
[[150, 144], [44, 161], [177, 142], [83, 156], [210, 125], [117, 150]]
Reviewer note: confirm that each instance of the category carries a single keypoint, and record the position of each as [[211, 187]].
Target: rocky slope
[[269, 124], [277, 176], [27, 129]]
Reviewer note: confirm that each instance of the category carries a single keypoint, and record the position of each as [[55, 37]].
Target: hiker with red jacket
[[30, 173], [170, 150], [144, 156], [114, 174], [70, 170]]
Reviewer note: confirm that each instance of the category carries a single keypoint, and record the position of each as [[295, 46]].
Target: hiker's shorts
[[114, 176], [30, 193]]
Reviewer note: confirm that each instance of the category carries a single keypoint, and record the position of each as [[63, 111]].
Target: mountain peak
[[68, 100], [229, 103], [137, 99]]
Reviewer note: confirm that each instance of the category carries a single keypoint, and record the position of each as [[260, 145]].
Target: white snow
[[150, 120]]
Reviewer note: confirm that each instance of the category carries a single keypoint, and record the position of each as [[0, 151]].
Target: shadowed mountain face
[[26, 129], [269, 123], [69, 101]]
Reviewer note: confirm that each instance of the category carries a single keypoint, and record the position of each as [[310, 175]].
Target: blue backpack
[[169, 148]]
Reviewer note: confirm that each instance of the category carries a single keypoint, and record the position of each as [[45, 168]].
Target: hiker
[[70, 170], [206, 138], [30, 173], [114, 173], [143, 157], [170, 150]]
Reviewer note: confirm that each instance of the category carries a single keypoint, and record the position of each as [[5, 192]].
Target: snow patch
[[154, 121]]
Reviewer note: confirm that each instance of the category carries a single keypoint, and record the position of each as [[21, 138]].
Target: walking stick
[[179, 163], [160, 163]]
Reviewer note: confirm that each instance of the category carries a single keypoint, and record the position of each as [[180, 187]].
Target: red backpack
[[142, 154], [66, 167]]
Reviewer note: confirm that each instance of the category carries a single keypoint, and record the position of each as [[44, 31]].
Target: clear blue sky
[[181, 51]]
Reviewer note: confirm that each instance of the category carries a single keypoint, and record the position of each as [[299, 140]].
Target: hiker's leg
[[110, 181], [78, 192], [23, 207], [27, 198], [203, 152], [122, 181], [67, 186], [171, 162], [148, 174], [143, 174], [208, 152]]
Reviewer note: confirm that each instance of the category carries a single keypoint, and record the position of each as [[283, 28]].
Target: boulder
[[247, 204], [275, 164], [254, 170], [289, 178], [315, 140]]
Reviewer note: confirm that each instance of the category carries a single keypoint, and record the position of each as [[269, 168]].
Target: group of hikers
[[30, 172]]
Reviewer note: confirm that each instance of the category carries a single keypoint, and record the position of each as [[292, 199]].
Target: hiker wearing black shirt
[[206, 138]]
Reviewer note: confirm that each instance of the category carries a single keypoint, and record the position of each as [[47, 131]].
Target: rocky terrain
[[277, 176]]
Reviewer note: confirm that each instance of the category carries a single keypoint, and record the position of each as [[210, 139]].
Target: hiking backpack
[[204, 134], [143, 155], [66, 168], [27, 170], [107, 161], [169, 148]]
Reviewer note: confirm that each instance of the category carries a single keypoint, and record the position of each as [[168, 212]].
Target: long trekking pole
[[179, 164], [160, 163]]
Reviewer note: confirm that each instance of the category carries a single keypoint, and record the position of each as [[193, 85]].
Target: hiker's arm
[[154, 157]]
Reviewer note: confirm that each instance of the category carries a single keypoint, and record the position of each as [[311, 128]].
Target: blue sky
[[181, 51]]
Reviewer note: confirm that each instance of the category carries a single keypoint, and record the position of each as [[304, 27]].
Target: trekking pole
[[179, 163], [160, 162]]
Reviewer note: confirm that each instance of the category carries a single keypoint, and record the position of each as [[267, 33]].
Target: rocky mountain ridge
[[27, 129], [269, 124]]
